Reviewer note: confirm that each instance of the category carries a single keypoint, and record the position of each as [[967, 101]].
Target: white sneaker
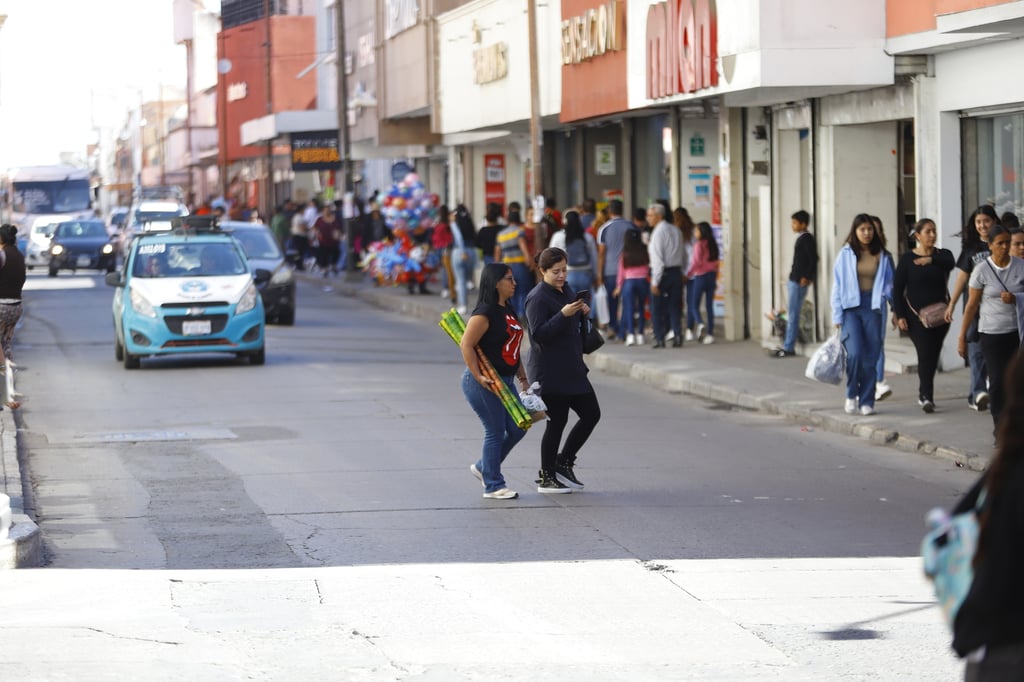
[[639, 339], [867, 410], [671, 335], [700, 332], [444, 293], [850, 406], [462, 310], [708, 340], [503, 494], [689, 335], [476, 472], [630, 340], [882, 391]]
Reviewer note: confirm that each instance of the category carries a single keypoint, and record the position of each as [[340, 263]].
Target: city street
[[315, 518]]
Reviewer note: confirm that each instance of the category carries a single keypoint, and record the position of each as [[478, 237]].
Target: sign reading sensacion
[[592, 33]]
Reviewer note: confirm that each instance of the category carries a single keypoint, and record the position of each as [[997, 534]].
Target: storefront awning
[[266, 129]]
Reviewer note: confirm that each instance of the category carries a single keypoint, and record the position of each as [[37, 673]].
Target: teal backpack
[[948, 550]]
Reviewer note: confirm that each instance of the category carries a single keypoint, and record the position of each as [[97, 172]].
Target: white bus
[[35, 198]]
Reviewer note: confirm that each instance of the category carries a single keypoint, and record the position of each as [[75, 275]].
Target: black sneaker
[[565, 474], [783, 353], [548, 483]]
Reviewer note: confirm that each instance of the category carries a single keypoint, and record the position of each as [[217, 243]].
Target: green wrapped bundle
[[454, 326]]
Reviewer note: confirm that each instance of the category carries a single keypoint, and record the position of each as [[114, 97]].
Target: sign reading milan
[[682, 48]]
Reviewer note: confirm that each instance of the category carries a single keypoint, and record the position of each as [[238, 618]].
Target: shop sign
[[365, 50], [399, 15], [604, 159], [237, 91], [682, 48], [314, 151], [592, 33], [697, 145], [494, 179], [490, 63]]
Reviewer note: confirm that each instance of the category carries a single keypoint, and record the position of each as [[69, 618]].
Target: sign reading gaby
[[682, 48], [315, 151], [593, 33]]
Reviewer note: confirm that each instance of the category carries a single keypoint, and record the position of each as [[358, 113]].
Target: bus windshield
[[52, 196]]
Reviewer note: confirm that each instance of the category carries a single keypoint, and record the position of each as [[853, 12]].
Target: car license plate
[[83, 261], [195, 327]]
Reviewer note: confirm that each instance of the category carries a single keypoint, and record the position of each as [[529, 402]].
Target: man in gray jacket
[[667, 253]]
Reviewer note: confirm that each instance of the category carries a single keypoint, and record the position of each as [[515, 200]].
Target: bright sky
[[67, 63]]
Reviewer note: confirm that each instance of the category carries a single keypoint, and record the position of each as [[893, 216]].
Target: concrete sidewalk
[[23, 547], [745, 375]]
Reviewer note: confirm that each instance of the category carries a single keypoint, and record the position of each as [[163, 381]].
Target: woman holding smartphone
[[555, 316]]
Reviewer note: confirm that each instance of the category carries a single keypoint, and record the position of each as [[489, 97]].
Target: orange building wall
[[914, 16], [596, 87]]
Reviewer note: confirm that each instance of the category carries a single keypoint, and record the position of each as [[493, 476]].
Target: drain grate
[[850, 634]]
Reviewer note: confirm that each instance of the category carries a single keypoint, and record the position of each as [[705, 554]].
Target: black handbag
[[592, 336]]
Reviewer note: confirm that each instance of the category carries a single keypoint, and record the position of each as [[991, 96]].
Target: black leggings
[[589, 412], [928, 343], [999, 350]]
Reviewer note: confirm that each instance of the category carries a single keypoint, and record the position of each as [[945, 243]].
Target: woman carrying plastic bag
[[828, 363]]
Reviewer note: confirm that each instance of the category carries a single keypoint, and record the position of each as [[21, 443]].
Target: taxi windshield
[[188, 260]]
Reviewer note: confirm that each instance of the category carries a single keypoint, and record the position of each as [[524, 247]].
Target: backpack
[[948, 550], [579, 257]]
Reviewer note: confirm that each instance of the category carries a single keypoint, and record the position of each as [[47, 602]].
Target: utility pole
[[351, 272], [269, 198], [189, 84], [535, 129]]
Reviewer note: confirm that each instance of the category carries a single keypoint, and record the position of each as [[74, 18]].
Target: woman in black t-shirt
[[494, 327], [973, 249], [920, 281]]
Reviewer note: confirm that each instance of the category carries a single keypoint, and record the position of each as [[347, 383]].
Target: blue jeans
[[613, 303], [704, 287], [861, 337], [691, 319], [463, 264], [880, 366], [634, 293], [797, 294], [500, 431], [524, 282], [979, 368]]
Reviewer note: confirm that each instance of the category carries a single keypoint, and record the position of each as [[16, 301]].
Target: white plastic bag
[[828, 364], [601, 305]]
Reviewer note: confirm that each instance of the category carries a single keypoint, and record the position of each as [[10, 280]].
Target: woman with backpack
[[581, 250]]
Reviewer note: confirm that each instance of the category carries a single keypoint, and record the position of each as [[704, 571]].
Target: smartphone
[[583, 295]]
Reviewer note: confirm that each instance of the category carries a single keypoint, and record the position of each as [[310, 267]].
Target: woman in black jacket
[[989, 627], [920, 281], [554, 320]]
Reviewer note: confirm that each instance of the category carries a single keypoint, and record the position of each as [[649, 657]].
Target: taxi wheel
[[258, 357], [131, 361], [118, 349], [286, 317]]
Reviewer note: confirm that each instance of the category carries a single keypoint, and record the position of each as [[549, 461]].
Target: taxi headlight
[[141, 305], [282, 275], [57, 249], [248, 300], [108, 249]]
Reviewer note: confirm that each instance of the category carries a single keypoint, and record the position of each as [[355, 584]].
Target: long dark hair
[[465, 224], [879, 230], [634, 251], [1009, 446], [708, 235], [573, 226], [489, 278], [8, 234], [875, 246], [682, 220], [969, 237]]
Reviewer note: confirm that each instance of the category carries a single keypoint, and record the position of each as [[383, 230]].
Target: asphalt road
[[350, 449]]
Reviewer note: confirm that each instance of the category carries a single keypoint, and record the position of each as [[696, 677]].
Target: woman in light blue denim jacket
[[862, 283]]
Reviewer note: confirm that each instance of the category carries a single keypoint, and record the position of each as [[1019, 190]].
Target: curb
[[655, 377], [24, 546]]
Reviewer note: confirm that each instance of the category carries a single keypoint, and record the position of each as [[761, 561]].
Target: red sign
[[682, 48], [494, 179]]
